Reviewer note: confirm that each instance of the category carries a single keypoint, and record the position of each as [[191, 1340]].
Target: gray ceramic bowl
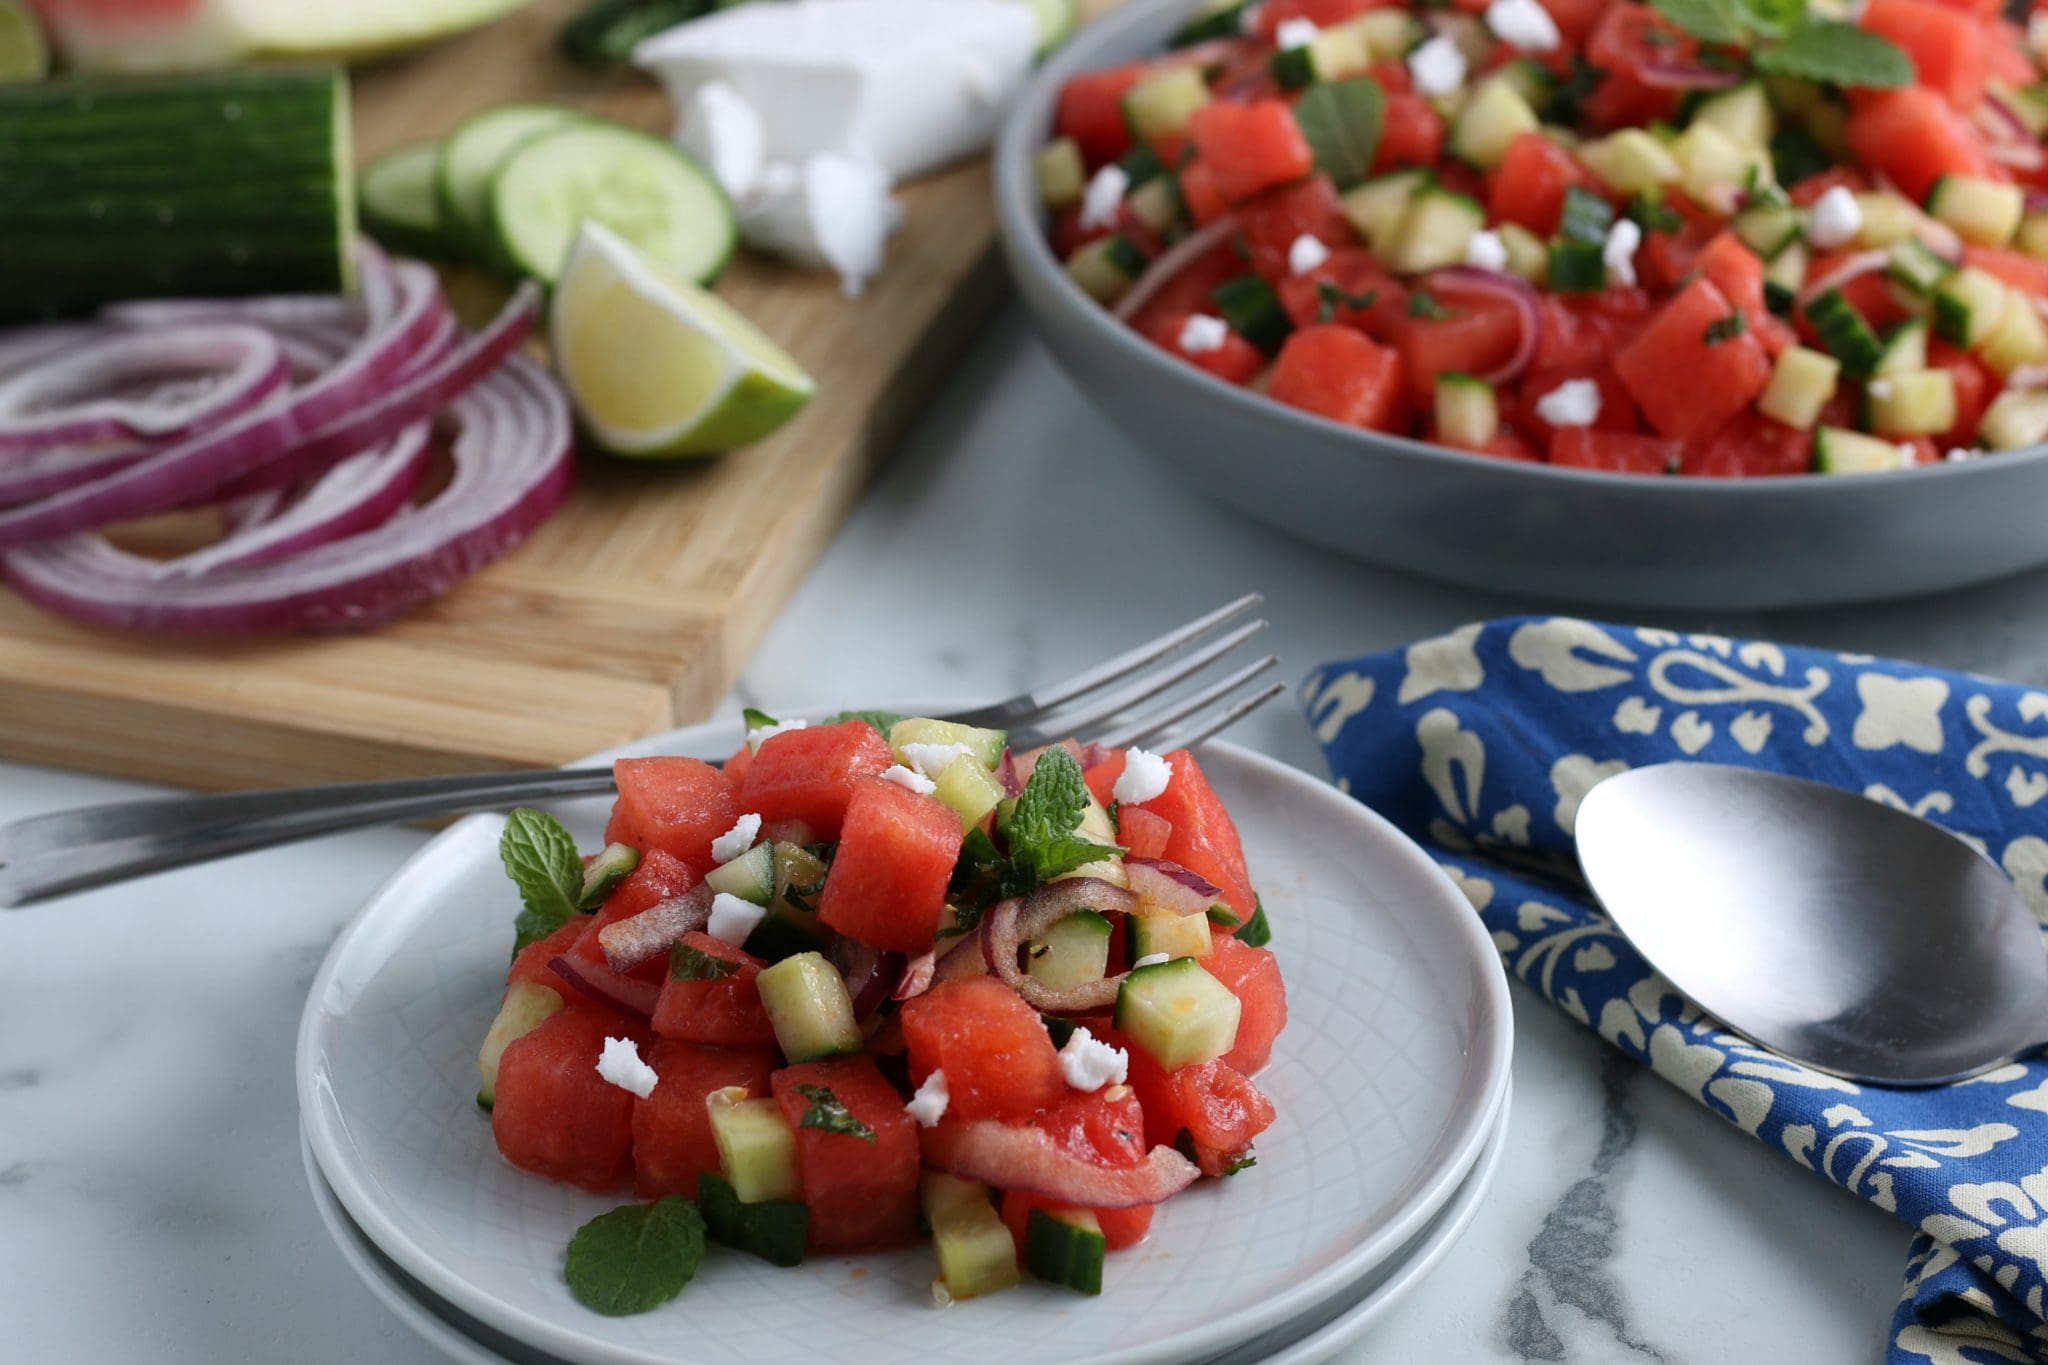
[[1488, 523]]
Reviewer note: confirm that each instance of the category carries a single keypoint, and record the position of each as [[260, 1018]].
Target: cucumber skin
[[273, 210]]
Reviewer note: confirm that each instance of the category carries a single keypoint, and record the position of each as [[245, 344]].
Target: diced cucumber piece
[[1969, 305], [807, 1003], [1528, 257], [1494, 116], [791, 925], [1097, 827], [1716, 168], [1916, 403], [1174, 935], [1532, 81], [1838, 451], [1072, 953], [773, 1229], [1375, 208], [1802, 382], [1888, 219], [1156, 203], [756, 1146], [1177, 1012], [1743, 113], [611, 866], [1915, 268], [1631, 161], [1106, 267], [1981, 211], [1065, 1247], [1161, 104], [1257, 932], [2033, 235], [1211, 19], [1253, 311], [1905, 350], [751, 876], [396, 202], [1784, 276], [1141, 164], [1389, 33], [1767, 226], [1585, 216], [975, 1251], [527, 1006], [2021, 339], [1056, 21], [1062, 175], [469, 162], [1292, 68], [1436, 227], [1843, 331], [2016, 418], [1467, 413], [1576, 268], [983, 746], [970, 789]]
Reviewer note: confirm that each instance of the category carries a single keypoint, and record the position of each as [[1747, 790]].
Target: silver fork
[[74, 850]]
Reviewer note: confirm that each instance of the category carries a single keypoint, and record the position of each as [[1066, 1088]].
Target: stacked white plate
[[1391, 1082]]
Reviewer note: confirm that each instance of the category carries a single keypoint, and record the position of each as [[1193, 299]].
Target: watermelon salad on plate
[[1703, 237], [880, 979]]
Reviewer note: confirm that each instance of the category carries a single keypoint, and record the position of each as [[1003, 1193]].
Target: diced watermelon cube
[[1948, 48], [554, 1115], [1271, 223], [1914, 137], [1204, 840], [1214, 1104], [678, 805], [861, 1194], [1091, 111], [659, 877], [1250, 147], [999, 1061], [1528, 187], [725, 1011], [809, 775], [1235, 361], [531, 962], [1253, 976], [672, 1144], [1142, 833], [1623, 452], [1750, 445], [1721, 373], [1342, 374], [887, 885]]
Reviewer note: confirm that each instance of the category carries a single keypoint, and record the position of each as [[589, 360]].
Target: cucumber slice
[[1467, 413], [1888, 219], [791, 925], [1065, 1247], [1253, 311], [1056, 20], [1106, 267], [970, 789], [2016, 418], [1576, 268], [1072, 953], [1494, 116], [1802, 382], [1767, 226], [1916, 269], [1293, 68], [975, 1250], [1969, 305], [773, 1229], [1631, 161], [1437, 226], [1743, 113], [1375, 208], [751, 876], [1528, 257], [2033, 235], [1062, 175], [1160, 105], [2021, 339], [527, 1006], [1981, 211], [1717, 168], [469, 161], [654, 196], [1905, 350], [396, 202], [1177, 1012], [1212, 19], [1838, 451], [1843, 331], [808, 1005], [1784, 276], [1174, 935], [1917, 403], [756, 1146], [1585, 217]]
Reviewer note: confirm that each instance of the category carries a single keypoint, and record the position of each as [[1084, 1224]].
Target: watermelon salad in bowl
[[1529, 292]]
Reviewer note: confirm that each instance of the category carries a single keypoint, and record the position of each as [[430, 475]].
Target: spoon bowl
[[1840, 932]]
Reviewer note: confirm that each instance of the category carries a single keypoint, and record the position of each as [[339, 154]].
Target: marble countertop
[[152, 1203]]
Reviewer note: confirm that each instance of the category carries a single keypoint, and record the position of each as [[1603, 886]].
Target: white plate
[[1315, 1337], [1393, 1062]]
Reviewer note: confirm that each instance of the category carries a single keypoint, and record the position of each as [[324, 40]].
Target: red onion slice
[[1170, 262], [1008, 925], [1681, 76], [190, 378], [1013, 785], [1999, 121], [1512, 290], [643, 937], [1854, 266], [962, 956], [917, 976], [1167, 888], [2019, 156], [1020, 1157], [869, 973], [627, 994], [39, 473]]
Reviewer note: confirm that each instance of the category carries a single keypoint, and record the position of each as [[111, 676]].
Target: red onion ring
[[1512, 290], [643, 937], [870, 973], [1680, 76], [1013, 785], [1171, 262], [917, 976], [1021, 1157], [1010, 924], [2019, 156], [1166, 888], [1854, 266], [57, 401], [629, 995], [1998, 121], [39, 473], [962, 956]]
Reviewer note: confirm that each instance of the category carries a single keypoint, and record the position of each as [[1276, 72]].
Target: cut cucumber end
[[809, 1008], [1178, 1013]]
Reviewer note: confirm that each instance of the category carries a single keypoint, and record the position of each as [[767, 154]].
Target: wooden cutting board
[[630, 612]]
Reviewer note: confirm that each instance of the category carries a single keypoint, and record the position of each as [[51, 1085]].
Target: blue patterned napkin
[[1481, 743]]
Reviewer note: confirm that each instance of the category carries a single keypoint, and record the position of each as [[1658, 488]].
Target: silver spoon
[[1837, 931]]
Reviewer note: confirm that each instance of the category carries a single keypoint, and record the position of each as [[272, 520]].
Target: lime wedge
[[659, 367], [24, 56]]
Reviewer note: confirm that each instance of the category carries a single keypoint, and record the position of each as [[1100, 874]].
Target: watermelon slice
[[194, 35]]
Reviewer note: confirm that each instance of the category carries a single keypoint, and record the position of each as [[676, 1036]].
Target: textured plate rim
[[1489, 1020]]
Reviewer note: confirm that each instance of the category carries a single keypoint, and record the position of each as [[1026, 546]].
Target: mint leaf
[[605, 872], [757, 720], [636, 1257], [1774, 18], [1423, 305], [883, 721], [1221, 914], [694, 964], [773, 1229], [1043, 839], [1255, 932], [1329, 298], [540, 857], [1342, 121], [1838, 53], [1710, 21], [1062, 856], [1721, 329], [1247, 1160], [829, 1115]]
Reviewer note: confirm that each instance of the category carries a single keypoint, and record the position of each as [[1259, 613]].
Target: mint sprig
[[1044, 830], [1786, 40], [636, 1257], [828, 1113], [540, 857], [1341, 121]]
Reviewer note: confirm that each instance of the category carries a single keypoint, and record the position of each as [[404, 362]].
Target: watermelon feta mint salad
[[876, 979], [1705, 237]]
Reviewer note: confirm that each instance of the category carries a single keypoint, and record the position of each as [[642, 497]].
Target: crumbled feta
[[1105, 192], [1305, 254], [908, 780], [722, 130], [1574, 403], [1438, 67], [928, 1105], [1523, 25], [1908, 452], [736, 840], [1619, 250], [1143, 779], [832, 212], [1089, 1063], [620, 1064], [1201, 334], [732, 919], [1880, 388], [1486, 251], [933, 759], [761, 734], [1834, 219], [1150, 960], [1958, 454], [1293, 33]]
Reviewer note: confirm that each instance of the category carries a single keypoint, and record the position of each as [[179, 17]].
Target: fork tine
[[1105, 708], [1027, 705], [1212, 725], [1181, 707]]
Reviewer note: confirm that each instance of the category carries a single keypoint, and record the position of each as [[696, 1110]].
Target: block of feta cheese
[[907, 85], [831, 212]]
